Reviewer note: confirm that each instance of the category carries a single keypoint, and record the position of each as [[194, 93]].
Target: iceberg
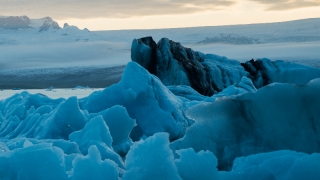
[[146, 100], [209, 74]]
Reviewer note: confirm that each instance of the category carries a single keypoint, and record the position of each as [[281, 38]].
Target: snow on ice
[[261, 121]]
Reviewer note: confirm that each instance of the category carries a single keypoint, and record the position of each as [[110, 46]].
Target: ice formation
[[143, 97], [141, 129], [276, 117], [208, 73]]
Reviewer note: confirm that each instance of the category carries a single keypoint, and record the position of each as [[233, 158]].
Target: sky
[[154, 14]]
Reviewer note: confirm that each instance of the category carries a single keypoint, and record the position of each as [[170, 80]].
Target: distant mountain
[[15, 22], [48, 23], [24, 22]]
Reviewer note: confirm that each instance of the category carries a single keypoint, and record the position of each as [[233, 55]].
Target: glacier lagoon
[[147, 127]]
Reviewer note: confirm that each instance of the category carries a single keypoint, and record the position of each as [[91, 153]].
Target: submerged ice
[[140, 128]]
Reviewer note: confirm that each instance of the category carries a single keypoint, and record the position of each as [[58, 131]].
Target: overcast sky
[[142, 14]]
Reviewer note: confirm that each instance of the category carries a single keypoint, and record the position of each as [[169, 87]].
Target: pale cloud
[[288, 4], [61, 9]]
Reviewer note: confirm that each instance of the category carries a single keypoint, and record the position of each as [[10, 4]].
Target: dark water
[[97, 77]]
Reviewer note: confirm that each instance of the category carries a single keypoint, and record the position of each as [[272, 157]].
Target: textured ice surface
[[151, 159], [146, 99], [275, 165], [276, 117], [92, 167], [96, 133], [201, 165], [40, 161]]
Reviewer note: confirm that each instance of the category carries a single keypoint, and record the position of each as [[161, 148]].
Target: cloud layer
[[107, 8], [61, 9], [288, 4]]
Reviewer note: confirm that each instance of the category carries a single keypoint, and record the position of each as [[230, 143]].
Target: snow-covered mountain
[[24, 22], [41, 25], [15, 22]]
